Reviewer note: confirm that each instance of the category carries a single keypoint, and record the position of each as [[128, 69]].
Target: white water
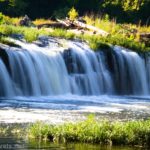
[[51, 70], [5, 81], [58, 109], [58, 84]]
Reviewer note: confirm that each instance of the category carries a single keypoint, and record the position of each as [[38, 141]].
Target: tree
[[134, 10], [13, 7], [133, 5], [72, 3], [17, 7]]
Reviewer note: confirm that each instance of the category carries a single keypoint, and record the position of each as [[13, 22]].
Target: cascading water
[[40, 71], [5, 81]]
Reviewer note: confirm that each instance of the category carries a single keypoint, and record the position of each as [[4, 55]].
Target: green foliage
[[1, 18], [42, 131], [129, 5], [103, 22], [4, 19], [31, 35], [96, 42], [106, 17], [61, 13], [73, 14], [6, 41], [72, 3], [126, 35], [8, 20], [94, 131], [134, 10], [5, 29], [11, 130]]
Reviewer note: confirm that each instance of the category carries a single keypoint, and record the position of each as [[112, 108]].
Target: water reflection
[[23, 144]]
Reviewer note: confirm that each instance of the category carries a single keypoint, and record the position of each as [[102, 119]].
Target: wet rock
[[4, 57], [17, 36], [26, 21]]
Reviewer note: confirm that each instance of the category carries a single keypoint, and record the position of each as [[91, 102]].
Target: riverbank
[[135, 133], [95, 42], [91, 130], [58, 83], [126, 35]]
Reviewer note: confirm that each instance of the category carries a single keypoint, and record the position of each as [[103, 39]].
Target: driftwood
[[52, 25], [80, 25], [65, 23], [146, 35], [59, 24], [94, 29]]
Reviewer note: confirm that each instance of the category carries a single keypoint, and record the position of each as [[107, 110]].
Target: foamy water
[[58, 109]]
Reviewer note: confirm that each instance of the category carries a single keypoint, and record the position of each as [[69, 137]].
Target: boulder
[[26, 21]]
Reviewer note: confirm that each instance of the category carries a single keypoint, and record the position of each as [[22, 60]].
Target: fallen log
[[65, 23], [52, 25], [81, 25], [146, 35], [86, 26]]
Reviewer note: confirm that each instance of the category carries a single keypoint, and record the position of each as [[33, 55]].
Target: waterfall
[[6, 87], [52, 70]]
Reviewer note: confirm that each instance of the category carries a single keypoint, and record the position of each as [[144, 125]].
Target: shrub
[[94, 131], [5, 29], [73, 14], [1, 18], [31, 35]]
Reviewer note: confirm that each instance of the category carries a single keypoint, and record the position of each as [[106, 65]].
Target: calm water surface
[[67, 108], [22, 144]]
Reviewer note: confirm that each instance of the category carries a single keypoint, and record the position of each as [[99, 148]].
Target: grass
[[126, 35], [128, 133], [102, 23], [111, 26], [6, 41], [42, 21], [96, 42], [94, 131], [9, 20], [12, 130], [120, 34]]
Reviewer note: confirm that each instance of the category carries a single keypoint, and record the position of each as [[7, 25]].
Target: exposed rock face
[[4, 57], [26, 21], [145, 37]]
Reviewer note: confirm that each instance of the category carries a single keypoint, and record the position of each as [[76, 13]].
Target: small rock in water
[[17, 36]]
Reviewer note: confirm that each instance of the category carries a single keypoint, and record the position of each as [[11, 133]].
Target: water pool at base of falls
[[68, 108], [17, 144], [45, 77], [44, 81], [58, 109]]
